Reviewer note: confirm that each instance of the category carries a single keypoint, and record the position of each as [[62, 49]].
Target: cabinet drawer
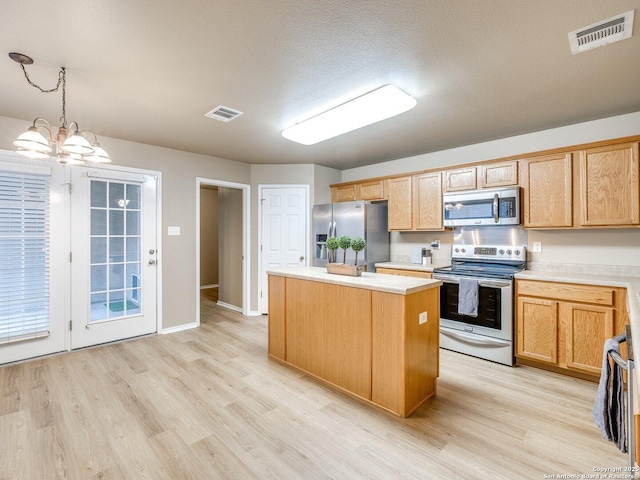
[[567, 291]]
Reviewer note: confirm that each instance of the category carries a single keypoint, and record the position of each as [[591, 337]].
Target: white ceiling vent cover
[[602, 33], [223, 114]]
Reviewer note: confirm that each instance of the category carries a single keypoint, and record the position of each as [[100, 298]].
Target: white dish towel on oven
[[468, 297]]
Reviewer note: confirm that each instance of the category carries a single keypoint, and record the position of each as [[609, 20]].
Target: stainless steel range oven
[[476, 300]]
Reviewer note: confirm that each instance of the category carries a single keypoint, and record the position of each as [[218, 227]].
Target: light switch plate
[[422, 318], [174, 231], [537, 247]]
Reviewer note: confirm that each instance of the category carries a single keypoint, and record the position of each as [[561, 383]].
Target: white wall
[[179, 170], [587, 247], [605, 129]]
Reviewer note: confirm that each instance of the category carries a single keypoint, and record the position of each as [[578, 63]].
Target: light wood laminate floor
[[207, 403]]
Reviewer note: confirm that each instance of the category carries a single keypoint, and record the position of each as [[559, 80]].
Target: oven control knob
[[501, 252], [464, 250], [517, 252], [457, 250], [509, 252]]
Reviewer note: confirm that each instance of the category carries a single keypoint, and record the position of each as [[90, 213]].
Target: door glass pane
[[115, 250]]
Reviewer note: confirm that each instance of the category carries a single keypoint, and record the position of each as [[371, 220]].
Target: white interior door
[[33, 264], [113, 245], [284, 232]]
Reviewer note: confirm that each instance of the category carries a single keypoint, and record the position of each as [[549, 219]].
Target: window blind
[[24, 255]]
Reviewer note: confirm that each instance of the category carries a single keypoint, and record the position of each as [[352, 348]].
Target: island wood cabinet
[[366, 342], [547, 191], [566, 325], [609, 185]]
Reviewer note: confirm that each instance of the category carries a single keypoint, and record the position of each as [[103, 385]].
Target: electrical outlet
[[173, 231], [422, 318], [537, 247]]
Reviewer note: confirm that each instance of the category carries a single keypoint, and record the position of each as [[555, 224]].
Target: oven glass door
[[495, 297], [489, 300]]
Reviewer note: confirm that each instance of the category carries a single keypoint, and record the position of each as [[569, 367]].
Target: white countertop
[[411, 266], [371, 281]]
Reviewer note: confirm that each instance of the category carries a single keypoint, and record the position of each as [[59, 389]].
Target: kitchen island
[[374, 336]]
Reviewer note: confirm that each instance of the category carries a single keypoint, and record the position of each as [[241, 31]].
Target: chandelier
[[71, 146]]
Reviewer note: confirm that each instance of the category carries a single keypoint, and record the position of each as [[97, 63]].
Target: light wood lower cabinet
[[365, 342], [566, 325]]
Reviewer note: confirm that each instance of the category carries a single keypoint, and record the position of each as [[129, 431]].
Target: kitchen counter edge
[[380, 282]]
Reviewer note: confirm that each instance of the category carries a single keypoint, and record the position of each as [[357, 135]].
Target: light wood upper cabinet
[[609, 185], [374, 190], [344, 193], [427, 201], [547, 191], [460, 179], [400, 209], [491, 175], [498, 174]]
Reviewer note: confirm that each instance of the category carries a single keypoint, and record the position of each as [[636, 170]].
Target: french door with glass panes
[[113, 246]]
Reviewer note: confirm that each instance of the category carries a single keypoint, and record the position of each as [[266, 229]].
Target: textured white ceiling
[[148, 71]]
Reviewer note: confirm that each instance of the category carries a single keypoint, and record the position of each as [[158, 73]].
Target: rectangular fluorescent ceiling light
[[372, 107]]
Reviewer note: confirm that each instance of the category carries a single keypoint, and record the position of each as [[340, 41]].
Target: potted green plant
[[344, 242], [357, 245], [332, 245]]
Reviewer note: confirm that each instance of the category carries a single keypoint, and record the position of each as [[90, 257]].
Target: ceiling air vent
[[602, 33], [224, 114]]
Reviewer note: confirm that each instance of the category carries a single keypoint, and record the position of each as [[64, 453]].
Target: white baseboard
[[229, 306], [179, 328], [254, 313]]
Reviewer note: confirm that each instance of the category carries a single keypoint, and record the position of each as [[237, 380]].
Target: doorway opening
[[222, 245]]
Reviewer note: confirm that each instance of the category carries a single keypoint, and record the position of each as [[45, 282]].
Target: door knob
[[152, 251], [301, 258], [152, 262]]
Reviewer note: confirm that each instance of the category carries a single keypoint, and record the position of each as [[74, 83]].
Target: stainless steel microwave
[[482, 207]]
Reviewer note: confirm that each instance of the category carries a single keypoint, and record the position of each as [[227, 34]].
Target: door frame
[[246, 253], [120, 173], [307, 228]]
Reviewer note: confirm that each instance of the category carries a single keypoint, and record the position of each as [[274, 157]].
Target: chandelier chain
[[62, 79]]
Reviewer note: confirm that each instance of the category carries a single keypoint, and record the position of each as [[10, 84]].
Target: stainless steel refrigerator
[[355, 219]]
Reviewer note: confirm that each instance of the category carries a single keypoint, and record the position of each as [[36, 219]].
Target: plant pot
[[342, 269]]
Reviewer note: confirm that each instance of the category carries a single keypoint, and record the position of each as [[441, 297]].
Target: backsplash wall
[[610, 247]]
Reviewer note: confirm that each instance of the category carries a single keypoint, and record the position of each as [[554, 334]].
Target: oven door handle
[[474, 339], [496, 209], [481, 283]]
